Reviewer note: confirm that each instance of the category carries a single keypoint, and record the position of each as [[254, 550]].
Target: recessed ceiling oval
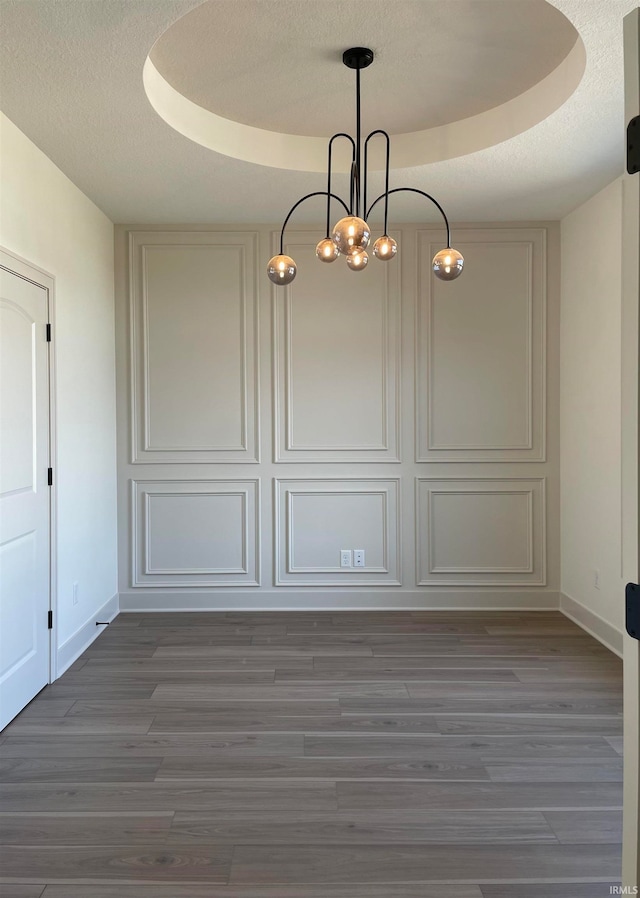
[[264, 82]]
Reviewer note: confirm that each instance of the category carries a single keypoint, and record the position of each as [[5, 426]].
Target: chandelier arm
[[422, 193], [301, 200], [386, 175], [353, 156]]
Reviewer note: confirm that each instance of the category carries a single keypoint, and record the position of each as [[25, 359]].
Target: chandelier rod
[[329, 194], [386, 178], [388, 193], [295, 206], [358, 141]]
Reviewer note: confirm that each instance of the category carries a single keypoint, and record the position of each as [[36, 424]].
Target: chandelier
[[351, 235]]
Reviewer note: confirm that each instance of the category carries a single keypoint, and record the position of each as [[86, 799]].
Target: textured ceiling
[[435, 63], [71, 79]]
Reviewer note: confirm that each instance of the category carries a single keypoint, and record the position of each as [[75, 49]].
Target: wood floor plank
[[286, 828], [128, 863], [262, 650], [550, 890], [21, 891], [349, 675], [151, 797], [616, 742], [152, 745], [488, 748], [605, 725], [557, 691], [582, 827], [237, 662], [610, 704], [52, 708], [423, 863], [107, 725], [319, 692], [124, 691], [399, 890], [91, 676], [146, 707], [192, 721], [452, 767], [473, 796], [575, 770], [83, 829], [79, 770]]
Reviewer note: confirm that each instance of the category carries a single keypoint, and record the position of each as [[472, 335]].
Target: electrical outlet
[[596, 579], [358, 557], [75, 593], [345, 558]]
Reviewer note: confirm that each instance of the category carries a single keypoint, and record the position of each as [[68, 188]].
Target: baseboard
[[340, 600], [596, 626], [75, 645]]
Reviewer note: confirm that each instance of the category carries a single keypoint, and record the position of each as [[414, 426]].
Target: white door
[[631, 460], [24, 491]]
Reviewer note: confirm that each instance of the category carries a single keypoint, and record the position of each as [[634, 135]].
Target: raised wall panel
[[480, 532], [318, 517], [336, 359], [195, 533], [480, 392], [194, 328]]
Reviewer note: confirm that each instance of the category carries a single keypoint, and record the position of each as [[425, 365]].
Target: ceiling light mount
[[358, 57], [351, 235]]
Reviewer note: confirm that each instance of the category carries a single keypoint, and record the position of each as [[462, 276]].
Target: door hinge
[[633, 146], [49, 476], [50, 620], [48, 333], [632, 610]]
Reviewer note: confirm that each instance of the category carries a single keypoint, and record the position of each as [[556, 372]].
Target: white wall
[[49, 222], [262, 430], [590, 377]]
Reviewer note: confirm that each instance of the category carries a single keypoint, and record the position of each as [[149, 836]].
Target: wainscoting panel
[[316, 518], [195, 533], [336, 360], [262, 430], [481, 350], [480, 531], [193, 341]]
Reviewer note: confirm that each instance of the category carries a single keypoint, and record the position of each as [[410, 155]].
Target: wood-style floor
[[319, 755]]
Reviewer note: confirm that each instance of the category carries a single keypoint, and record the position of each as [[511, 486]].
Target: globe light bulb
[[281, 270], [448, 264], [385, 248], [351, 235], [327, 251], [357, 261]]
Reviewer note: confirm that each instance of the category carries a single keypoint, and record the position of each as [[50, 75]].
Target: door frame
[[23, 268], [630, 359]]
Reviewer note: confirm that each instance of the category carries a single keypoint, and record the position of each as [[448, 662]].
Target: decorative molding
[[146, 522], [533, 448], [79, 642], [286, 450], [143, 575], [286, 573], [142, 452], [531, 574], [432, 569], [292, 569], [341, 600], [610, 637]]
